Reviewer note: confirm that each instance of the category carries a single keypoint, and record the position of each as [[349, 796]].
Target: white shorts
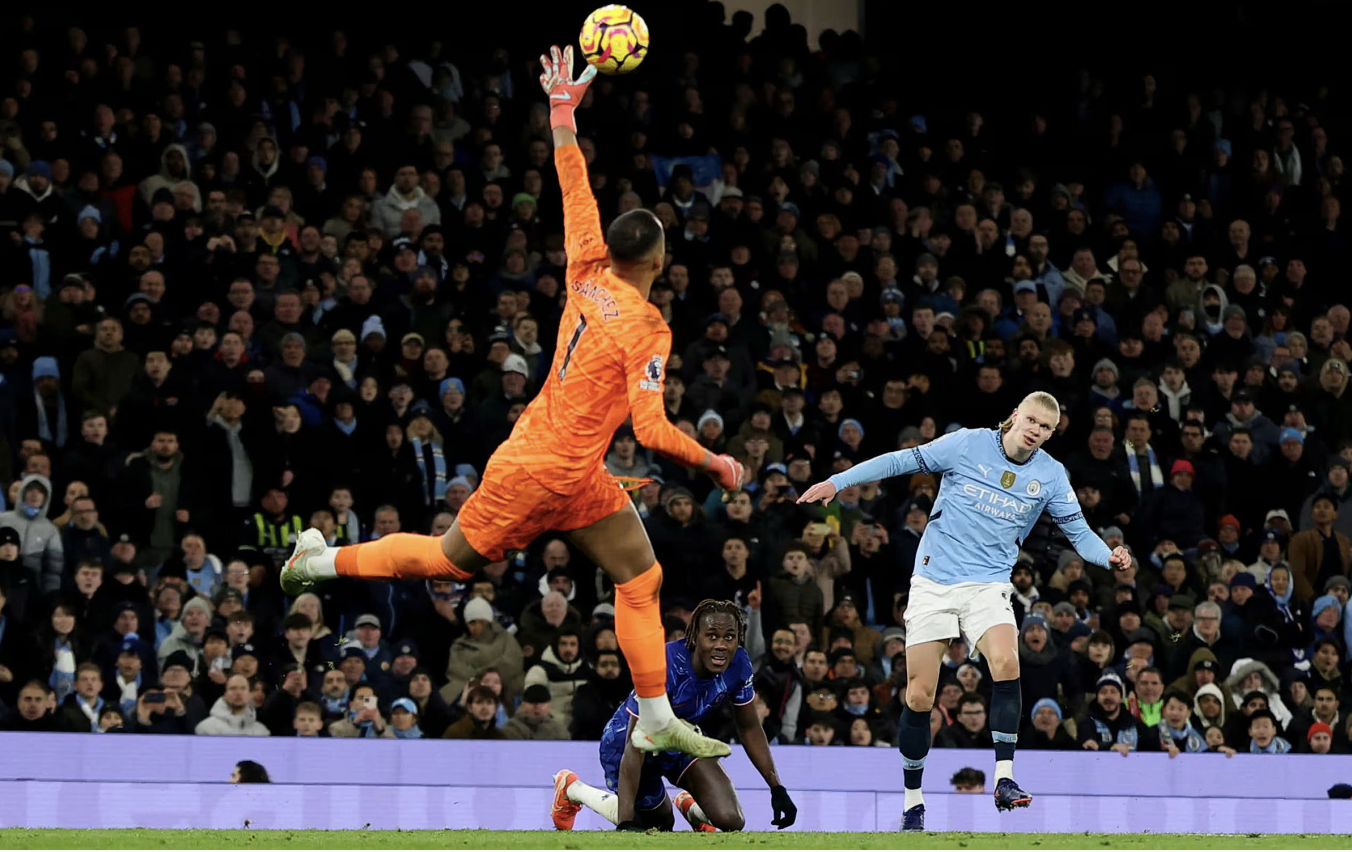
[[938, 613]]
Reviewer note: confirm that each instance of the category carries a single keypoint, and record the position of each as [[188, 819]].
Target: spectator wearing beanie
[[1319, 739], [485, 644], [1203, 668], [188, 635], [1045, 730], [1243, 612], [1044, 668], [534, 718], [16, 584], [1107, 725], [1067, 631]]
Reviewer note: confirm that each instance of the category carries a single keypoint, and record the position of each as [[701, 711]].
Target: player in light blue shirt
[[995, 484], [706, 669]]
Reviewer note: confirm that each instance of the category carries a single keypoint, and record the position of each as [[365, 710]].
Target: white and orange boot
[[685, 803], [564, 810]]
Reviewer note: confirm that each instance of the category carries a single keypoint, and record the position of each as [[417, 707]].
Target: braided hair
[[709, 606]]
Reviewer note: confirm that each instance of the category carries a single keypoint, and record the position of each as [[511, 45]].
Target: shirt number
[[572, 344]]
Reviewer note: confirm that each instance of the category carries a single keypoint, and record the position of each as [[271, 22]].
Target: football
[[614, 39]]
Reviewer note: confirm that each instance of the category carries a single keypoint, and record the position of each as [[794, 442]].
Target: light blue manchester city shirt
[[986, 506]]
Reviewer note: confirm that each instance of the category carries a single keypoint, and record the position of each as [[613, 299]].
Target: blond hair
[[1038, 398]]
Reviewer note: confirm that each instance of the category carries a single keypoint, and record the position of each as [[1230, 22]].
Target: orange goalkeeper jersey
[[610, 360]]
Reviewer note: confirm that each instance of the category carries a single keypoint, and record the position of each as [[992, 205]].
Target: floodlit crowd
[[249, 286]]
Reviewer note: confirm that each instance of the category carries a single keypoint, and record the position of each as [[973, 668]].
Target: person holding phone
[[160, 710], [829, 555], [363, 716]]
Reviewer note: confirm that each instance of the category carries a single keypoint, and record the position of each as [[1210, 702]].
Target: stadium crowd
[[251, 285]]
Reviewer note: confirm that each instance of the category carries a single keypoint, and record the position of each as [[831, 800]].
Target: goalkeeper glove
[[726, 471], [565, 93]]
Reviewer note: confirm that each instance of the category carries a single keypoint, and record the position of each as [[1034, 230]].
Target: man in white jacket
[[404, 195], [233, 715], [40, 545]]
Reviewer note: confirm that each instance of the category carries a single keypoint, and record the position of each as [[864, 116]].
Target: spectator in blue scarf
[[81, 710], [430, 455], [1176, 731], [62, 648], [333, 694], [404, 720], [363, 718], [1289, 618], [123, 684], [48, 417], [1263, 737]]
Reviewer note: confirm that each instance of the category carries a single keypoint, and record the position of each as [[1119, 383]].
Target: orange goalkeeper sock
[[397, 556], [638, 626]]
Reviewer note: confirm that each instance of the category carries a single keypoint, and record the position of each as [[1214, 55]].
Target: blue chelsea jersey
[[693, 697], [986, 506]]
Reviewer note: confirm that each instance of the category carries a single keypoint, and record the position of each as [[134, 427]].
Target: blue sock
[[913, 738], [1006, 708]]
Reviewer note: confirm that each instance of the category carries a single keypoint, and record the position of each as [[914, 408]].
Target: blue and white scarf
[[62, 680], [413, 733], [435, 486], [91, 711], [44, 427], [163, 627], [333, 705], [1277, 746], [41, 260], [1134, 465], [108, 252], [1283, 602], [1194, 742], [128, 689], [367, 729], [1128, 736]]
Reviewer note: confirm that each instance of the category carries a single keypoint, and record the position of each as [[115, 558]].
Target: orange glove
[[726, 471], [565, 93]]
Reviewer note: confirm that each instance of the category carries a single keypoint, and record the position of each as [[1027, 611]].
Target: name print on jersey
[[589, 289]]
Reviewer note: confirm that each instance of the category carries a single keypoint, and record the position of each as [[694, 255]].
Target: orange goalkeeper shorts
[[511, 507]]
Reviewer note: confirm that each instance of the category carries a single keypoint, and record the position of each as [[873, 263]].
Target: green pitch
[[217, 839]]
